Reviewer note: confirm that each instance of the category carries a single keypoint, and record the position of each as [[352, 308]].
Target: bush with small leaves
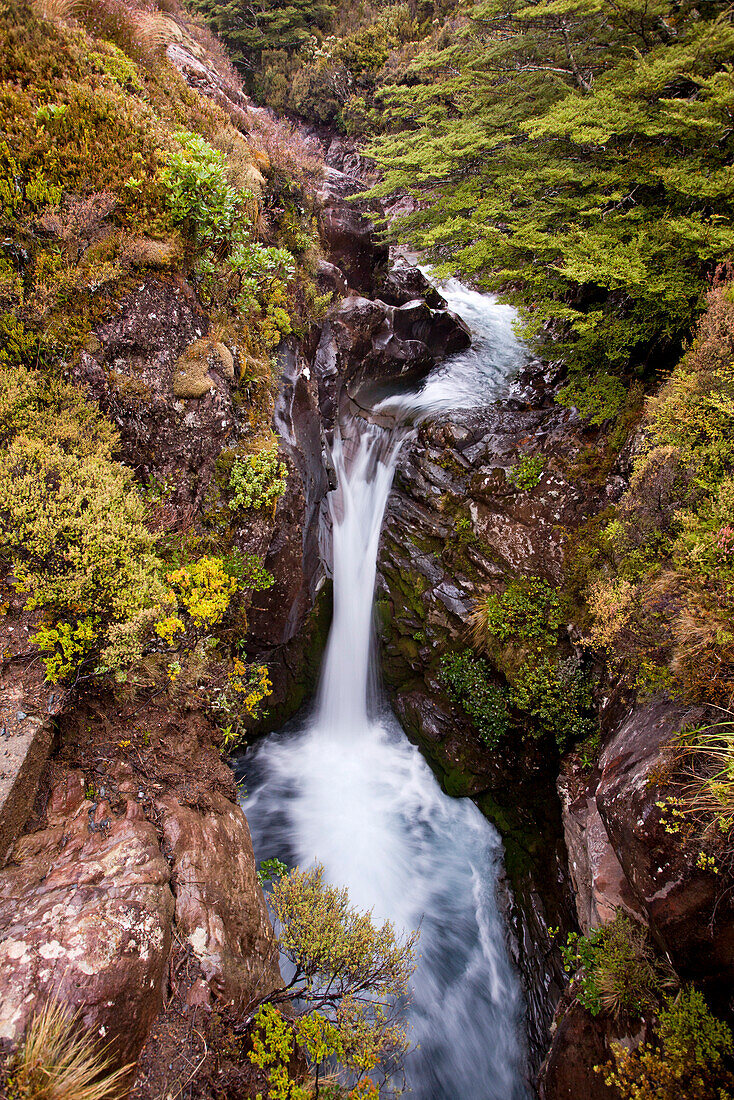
[[349, 978], [616, 969], [258, 481], [468, 681], [690, 1057]]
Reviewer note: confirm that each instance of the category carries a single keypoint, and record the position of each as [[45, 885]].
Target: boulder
[[600, 885], [85, 918], [348, 231], [220, 909], [688, 907], [366, 345]]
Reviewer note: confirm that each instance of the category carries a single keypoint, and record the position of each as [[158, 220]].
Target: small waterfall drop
[[343, 786]]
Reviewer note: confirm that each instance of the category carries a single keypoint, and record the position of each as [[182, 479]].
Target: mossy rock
[[191, 377]]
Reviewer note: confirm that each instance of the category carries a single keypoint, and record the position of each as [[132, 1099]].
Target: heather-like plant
[[690, 1056]]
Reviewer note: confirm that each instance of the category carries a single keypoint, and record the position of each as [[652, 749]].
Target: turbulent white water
[[343, 786]]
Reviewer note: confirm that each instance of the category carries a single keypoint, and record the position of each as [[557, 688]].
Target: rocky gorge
[[129, 886]]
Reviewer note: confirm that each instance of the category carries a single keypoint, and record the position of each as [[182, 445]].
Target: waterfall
[[343, 786]]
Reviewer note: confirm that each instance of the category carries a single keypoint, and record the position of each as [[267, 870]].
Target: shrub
[[527, 611], [557, 695], [72, 527], [615, 968], [58, 1060], [232, 268], [688, 1059], [258, 481], [349, 978], [598, 397], [526, 474], [468, 681]]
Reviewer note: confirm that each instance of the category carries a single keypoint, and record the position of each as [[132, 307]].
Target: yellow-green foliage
[[258, 481], [72, 526], [204, 590], [58, 1060], [345, 967], [689, 1057], [662, 596]]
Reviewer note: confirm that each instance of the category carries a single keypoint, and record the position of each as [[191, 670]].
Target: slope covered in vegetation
[[113, 172]]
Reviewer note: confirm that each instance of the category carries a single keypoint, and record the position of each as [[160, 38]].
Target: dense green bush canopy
[[577, 154]]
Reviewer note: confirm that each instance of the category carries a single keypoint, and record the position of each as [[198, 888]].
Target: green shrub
[[598, 397], [468, 682], [616, 969], [349, 981], [557, 695], [690, 1057], [526, 474], [72, 527], [527, 611], [258, 481], [232, 268]]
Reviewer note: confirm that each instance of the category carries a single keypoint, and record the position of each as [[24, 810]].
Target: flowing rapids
[[343, 786]]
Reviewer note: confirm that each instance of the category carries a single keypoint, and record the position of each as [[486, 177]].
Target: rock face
[[348, 231], [365, 345], [138, 866], [600, 885], [686, 906], [85, 917], [228, 929]]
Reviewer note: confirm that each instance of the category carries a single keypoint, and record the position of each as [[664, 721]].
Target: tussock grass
[[706, 759], [59, 1061], [140, 31]]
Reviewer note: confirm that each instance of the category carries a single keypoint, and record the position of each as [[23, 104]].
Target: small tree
[[349, 983]]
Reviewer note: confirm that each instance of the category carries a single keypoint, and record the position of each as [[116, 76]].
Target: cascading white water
[[344, 787]]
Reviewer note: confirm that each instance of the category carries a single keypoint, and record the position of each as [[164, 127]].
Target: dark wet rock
[[405, 283], [348, 231], [580, 1042], [367, 344], [687, 907], [330, 277]]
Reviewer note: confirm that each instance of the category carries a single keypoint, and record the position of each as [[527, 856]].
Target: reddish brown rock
[[220, 909], [580, 1042], [688, 907], [600, 885], [85, 917]]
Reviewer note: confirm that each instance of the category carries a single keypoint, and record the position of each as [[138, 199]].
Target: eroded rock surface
[[85, 917]]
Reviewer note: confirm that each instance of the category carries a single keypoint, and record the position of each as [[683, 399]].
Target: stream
[[342, 785]]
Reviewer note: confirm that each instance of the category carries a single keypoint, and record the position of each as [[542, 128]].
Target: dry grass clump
[[706, 759], [142, 32], [59, 1061]]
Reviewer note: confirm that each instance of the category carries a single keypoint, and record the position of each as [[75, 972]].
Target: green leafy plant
[[690, 1056], [258, 481], [615, 968], [527, 473], [349, 978], [598, 397], [270, 869], [527, 611], [468, 681]]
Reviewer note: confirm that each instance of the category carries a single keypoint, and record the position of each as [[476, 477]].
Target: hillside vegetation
[[113, 171]]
